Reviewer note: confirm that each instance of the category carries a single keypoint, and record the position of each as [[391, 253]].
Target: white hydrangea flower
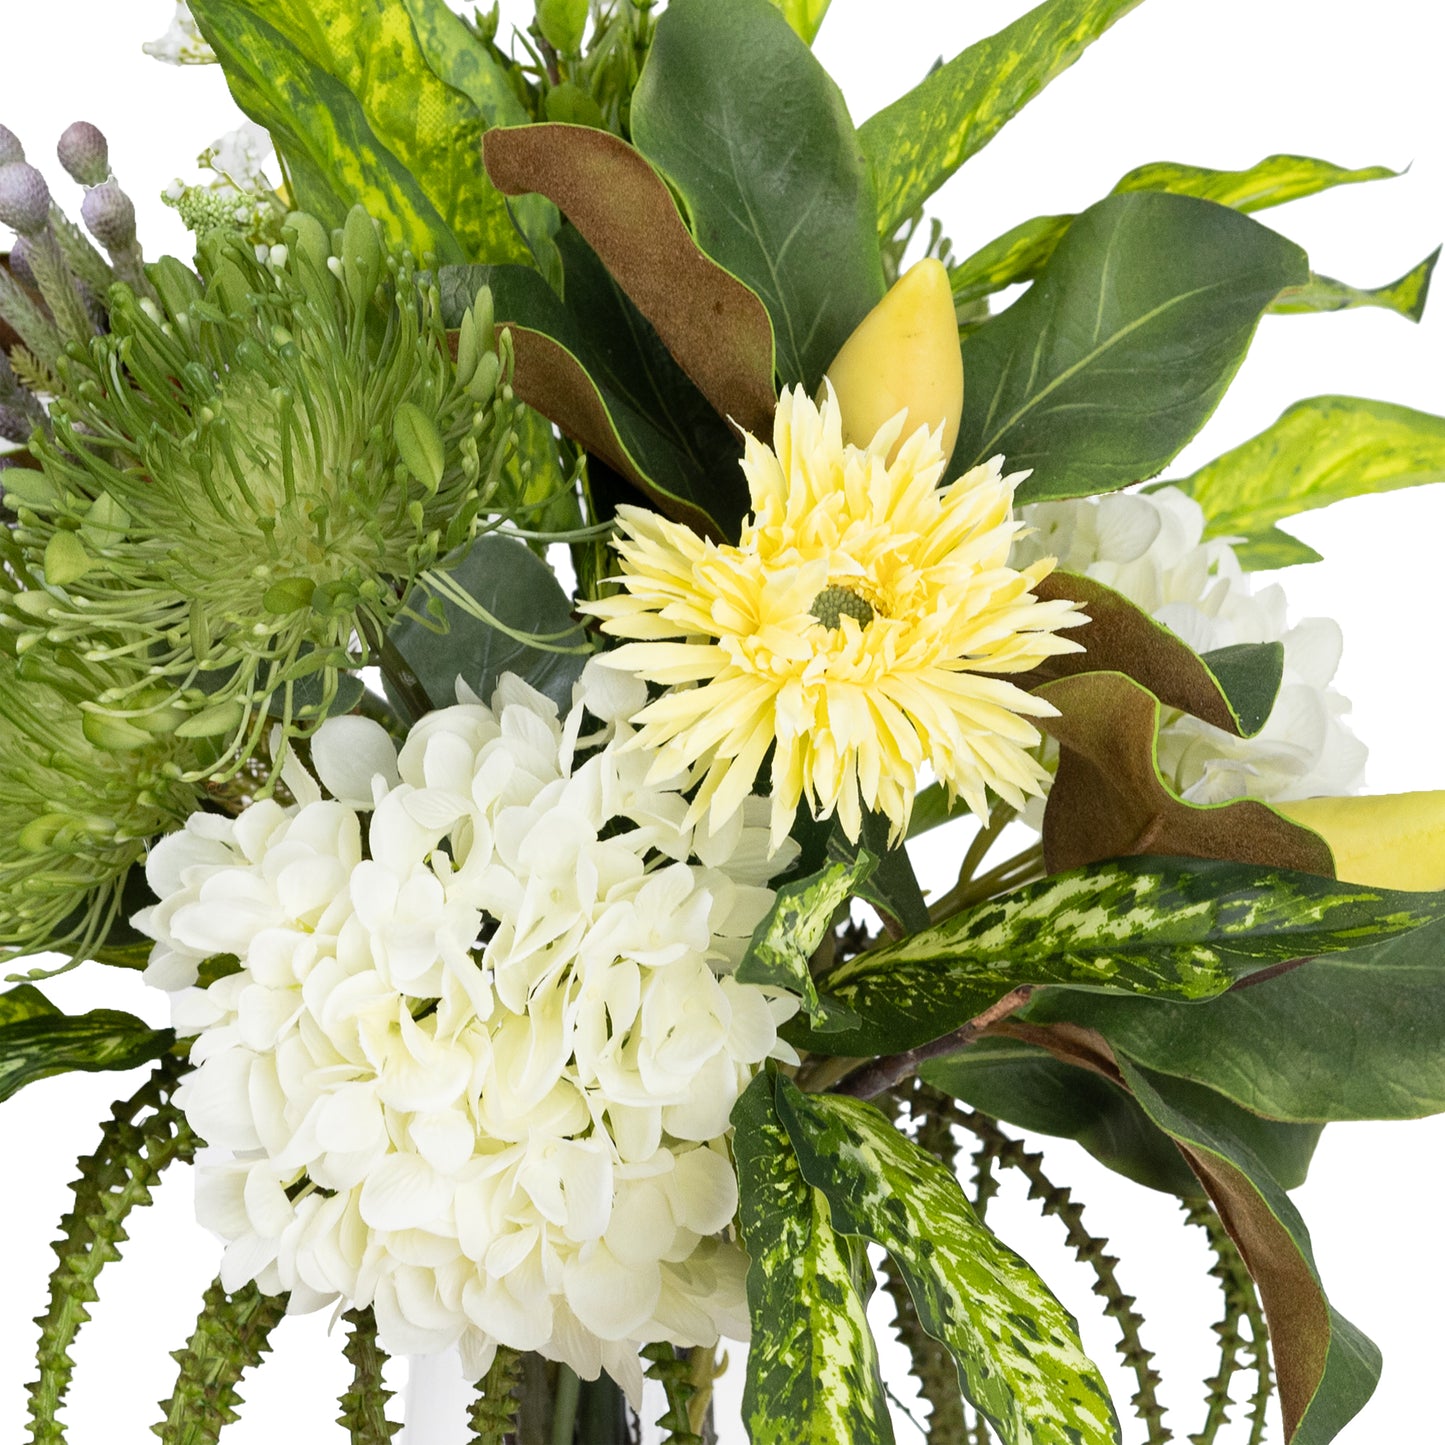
[[518, 1141], [1150, 546], [183, 43]]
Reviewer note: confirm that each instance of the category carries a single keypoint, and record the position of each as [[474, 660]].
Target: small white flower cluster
[[1150, 547], [517, 1141], [240, 197], [183, 43]]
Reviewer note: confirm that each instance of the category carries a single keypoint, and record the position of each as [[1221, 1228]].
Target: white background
[[1220, 84]]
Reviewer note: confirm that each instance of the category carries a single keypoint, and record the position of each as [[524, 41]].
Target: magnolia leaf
[[1017, 1349], [1020, 254], [1326, 1368], [1355, 1035], [382, 105], [1025, 1085], [1101, 372], [1122, 637], [38, 1040], [805, 16], [735, 110], [627, 402], [813, 1376], [518, 590], [1186, 928], [715, 327], [1406, 296], [916, 143], [1110, 800], [783, 944], [1319, 451]]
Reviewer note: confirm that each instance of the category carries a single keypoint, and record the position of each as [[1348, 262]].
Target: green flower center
[[832, 604]]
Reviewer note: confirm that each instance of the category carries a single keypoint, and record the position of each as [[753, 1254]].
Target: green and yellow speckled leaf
[[1183, 928], [916, 143], [1019, 255], [805, 16], [1017, 1348], [813, 1374], [380, 103], [37, 1040], [785, 941], [1320, 451], [1406, 297]]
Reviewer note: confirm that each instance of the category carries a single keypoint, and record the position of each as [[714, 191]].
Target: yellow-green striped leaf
[[813, 1365], [1017, 1349], [1406, 297], [916, 143], [805, 16], [380, 103]]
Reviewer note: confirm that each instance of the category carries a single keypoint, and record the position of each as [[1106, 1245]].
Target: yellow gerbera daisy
[[853, 630]]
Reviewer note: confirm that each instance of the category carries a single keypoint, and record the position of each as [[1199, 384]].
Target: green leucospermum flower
[[81, 797], [246, 477]]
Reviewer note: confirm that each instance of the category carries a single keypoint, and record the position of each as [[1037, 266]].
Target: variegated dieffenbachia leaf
[[813, 1375], [1182, 928], [1406, 297], [783, 944], [1017, 1348], [920, 140], [805, 16]]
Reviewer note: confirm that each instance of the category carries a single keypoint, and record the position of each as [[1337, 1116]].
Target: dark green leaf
[[813, 1366], [1016, 1347], [1406, 296], [733, 108], [916, 143], [783, 944], [1026, 1086], [382, 105], [1356, 1035], [1178, 927], [37, 1040], [1105, 368], [1319, 451], [1250, 674], [504, 579], [891, 887], [1326, 1368]]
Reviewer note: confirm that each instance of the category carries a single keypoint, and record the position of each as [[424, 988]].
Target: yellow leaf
[[1392, 840]]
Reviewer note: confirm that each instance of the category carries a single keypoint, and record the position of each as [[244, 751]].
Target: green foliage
[[1177, 927], [493, 608], [1105, 368], [232, 1333], [1406, 296], [493, 1416], [788, 209], [1017, 1349], [381, 103], [144, 1134], [38, 1040], [916, 143], [805, 16], [813, 1366], [363, 1406], [1319, 451]]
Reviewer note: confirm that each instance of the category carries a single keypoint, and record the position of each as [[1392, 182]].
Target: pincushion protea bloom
[[855, 630]]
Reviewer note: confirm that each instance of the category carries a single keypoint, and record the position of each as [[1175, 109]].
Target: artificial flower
[[520, 1141], [856, 631], [1150, 547]]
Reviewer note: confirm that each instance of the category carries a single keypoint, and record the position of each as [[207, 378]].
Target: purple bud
[[84, 153], [10, 148], [108, 211], [15, 426], [20, 263], [24, 199]]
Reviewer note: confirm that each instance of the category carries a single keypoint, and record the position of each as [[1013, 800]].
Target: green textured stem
[[29, 322], [494, 1412], [363, 1406], [674, 1374], [1088, 1249], [1241, 1304], [57, 286], [985, 1178], [142, 1136], [85, 262], [232, 1333]]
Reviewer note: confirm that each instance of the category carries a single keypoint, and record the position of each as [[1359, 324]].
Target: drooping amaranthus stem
[[232, 1333], [363, 1406], [1088, 1249], [493, 1415], [674, 1374], [144, 1134], [1241, 1305]]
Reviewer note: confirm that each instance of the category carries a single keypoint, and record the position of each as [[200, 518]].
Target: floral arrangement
[[483, 633]]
